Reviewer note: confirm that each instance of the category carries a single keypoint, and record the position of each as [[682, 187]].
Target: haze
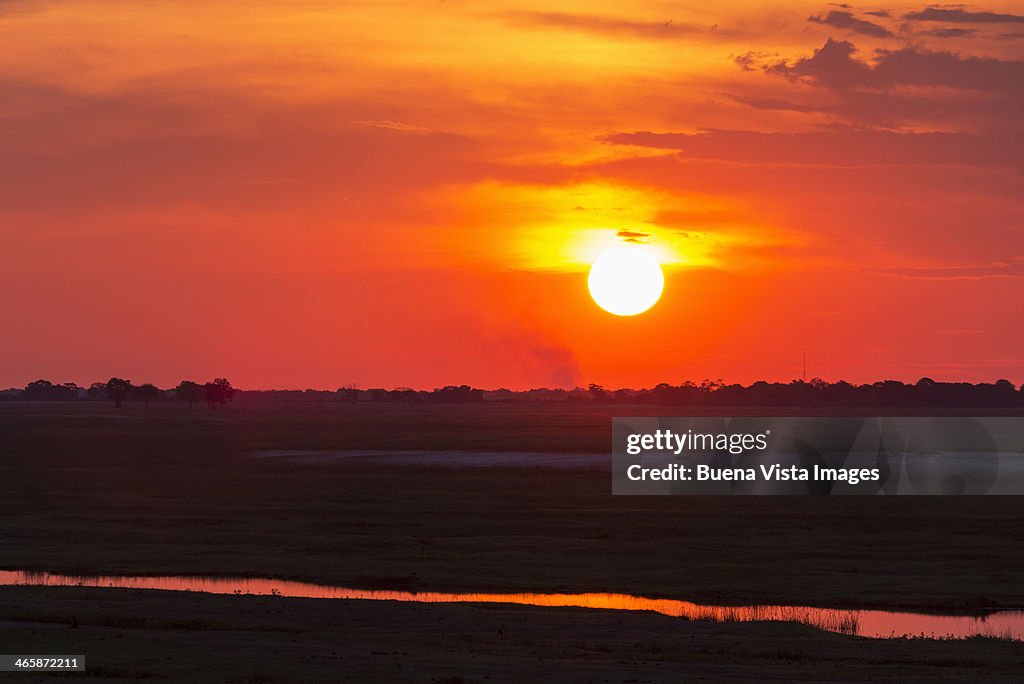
[[297, 194]]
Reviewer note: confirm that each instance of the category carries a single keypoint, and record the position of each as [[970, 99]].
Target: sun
[[626, 281]]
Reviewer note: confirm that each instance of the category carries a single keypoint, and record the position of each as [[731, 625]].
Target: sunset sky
[[316, 194]]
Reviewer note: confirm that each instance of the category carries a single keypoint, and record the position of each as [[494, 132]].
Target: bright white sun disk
[[626, 281]]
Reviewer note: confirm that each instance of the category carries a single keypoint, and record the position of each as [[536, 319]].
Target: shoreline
[[955, 609]]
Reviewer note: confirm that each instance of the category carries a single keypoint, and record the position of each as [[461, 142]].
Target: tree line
[[215, 393], [816, 392]]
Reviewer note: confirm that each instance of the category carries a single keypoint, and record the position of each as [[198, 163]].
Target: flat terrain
[[85, 488], [153, 636]]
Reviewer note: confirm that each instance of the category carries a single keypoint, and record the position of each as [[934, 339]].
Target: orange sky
[[315, 194]]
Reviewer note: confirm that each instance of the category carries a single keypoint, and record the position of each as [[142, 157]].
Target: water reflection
[[877, 624]]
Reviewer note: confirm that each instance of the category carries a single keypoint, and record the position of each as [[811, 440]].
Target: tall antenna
[[805, 366]]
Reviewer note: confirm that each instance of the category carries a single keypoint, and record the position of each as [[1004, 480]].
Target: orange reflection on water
[[866, 623]]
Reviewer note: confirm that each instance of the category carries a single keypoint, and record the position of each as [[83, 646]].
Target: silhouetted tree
[[147, 393], [218, 392], [189, 391], [454, 394], [816, 392], [44, 390], [348, 393], [96, 391], [708, 385], [118, 390]]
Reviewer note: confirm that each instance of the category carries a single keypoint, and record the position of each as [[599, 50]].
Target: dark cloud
[[633, 236], [878, 13], [842, 19], [836, 65], [668, 30], [957, 15], [832, 65]]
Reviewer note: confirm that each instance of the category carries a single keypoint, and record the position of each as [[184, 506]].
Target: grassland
[[153, 636], [87, 489]]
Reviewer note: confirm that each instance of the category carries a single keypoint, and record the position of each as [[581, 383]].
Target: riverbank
[[145, 635]]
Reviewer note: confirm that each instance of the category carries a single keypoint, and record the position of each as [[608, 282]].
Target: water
[[442, 459], [877, 624]]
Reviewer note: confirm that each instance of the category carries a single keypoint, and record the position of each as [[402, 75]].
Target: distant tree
[[454, 394], [37, 388], [118, 390], [708, 385], [219, 392], [147, 393], [1002, 392], [348, 393], [44, 390], [96, 391], [189, 391]]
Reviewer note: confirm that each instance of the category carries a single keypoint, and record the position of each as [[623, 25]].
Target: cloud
[[12, 7], [810, 195], [633, 236], [778, 104], [842, 19], [391, 125], [665, 30], [750, 60], [895, 109], [957, 15], [832, 65], [1004, 270], [836, 65], [907, 87], [142, 147], [261, 181], [836, 147], [949, 33]]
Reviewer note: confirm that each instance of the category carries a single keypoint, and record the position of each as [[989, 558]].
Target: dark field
[[168, 490], [153, 636]]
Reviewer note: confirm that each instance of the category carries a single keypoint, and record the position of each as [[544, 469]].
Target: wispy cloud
[[667, 29], [835, 146], [392, 125], [949, 33], [958, 15], [1005, 270]]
